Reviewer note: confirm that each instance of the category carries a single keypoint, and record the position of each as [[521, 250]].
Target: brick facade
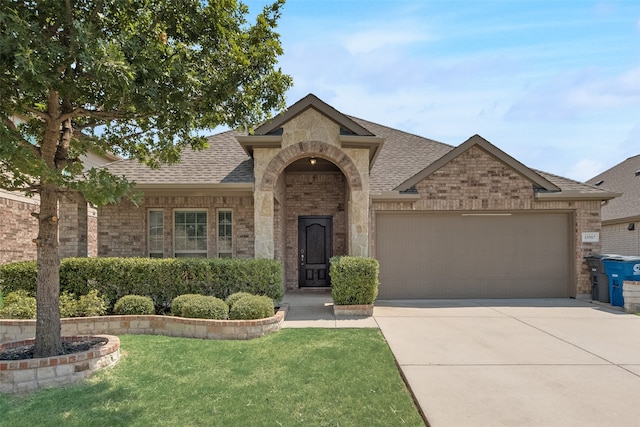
[[77, 227], [476, 181], [312, 194], [618, 239], [122, 229], [18, 229]]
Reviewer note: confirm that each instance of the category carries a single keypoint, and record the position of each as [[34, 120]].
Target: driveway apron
[[543, 362]]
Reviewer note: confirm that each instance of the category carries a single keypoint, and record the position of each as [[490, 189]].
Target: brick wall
[[618, 239], [18, 228], [477, 181], [313, 194], [122, 228]]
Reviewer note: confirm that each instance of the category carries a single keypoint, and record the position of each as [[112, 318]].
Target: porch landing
[[315, 310]]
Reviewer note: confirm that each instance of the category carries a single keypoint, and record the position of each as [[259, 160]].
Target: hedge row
[[160, 279], [354, 280]]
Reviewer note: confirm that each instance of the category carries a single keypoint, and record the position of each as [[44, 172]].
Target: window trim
[[233, 228], [149, 252], [175, 252]]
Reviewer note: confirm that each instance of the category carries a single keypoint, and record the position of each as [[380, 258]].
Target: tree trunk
[[48, 340]]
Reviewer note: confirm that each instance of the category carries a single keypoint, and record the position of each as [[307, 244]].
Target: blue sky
[[555, 84]]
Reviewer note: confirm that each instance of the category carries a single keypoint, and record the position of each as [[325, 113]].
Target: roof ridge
[[398, 130]]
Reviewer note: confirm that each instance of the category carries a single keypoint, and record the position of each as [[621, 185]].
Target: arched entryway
[[312, 187]]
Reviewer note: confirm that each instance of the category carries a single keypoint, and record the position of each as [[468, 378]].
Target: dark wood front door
[[314, 250]]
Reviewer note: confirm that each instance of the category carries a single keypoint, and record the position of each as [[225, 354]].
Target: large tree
[[136, 78]]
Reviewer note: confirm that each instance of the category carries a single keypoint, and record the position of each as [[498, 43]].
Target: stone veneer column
[[263, 206], [359, 206]]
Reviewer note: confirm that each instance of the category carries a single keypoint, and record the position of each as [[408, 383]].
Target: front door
[[314, 250]]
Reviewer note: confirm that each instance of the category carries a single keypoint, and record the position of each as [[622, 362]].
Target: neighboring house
[[77, 227], [444, 222], [621, 216]]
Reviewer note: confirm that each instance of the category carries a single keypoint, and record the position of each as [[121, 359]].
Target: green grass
[[295, 377]]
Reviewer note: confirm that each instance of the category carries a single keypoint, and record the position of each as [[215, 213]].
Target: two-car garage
[[474, 255]]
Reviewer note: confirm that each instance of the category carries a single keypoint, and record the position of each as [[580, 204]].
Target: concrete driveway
[[546, 362]]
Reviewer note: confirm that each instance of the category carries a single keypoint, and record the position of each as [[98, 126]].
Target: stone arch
[[307, 149]]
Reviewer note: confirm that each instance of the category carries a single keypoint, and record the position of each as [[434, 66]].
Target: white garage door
[[466, 255]]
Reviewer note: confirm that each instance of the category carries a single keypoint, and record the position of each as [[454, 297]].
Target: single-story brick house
[[621, 216], [444, 222]]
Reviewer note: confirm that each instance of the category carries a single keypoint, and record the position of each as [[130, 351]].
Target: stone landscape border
[[152, 325], [22, 376]]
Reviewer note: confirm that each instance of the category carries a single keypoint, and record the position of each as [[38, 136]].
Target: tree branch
[[11, 125]]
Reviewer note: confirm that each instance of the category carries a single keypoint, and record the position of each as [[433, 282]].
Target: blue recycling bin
[[619, 269]]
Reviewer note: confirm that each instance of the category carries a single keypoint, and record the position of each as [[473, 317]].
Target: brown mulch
[[26, 352]]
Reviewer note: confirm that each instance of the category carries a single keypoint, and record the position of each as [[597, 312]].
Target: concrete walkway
[[555, 362]]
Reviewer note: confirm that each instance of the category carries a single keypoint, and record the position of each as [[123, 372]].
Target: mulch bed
[[26, 352]]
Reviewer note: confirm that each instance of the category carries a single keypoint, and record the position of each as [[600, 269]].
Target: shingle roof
[[403, 155], [223, 162], [621, 178]]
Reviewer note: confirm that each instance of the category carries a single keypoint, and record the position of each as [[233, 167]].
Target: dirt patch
[[26, 351]]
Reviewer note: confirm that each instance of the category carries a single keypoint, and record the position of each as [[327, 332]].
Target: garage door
[[465, 255]]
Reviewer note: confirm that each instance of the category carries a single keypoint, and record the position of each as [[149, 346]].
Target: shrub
[[160, 279], [134, 304], [231, 299], [354, 280], [91, 304], [179, 301], [205, 307], [18, 276], [18, 305], [252, 307], [68, 305]]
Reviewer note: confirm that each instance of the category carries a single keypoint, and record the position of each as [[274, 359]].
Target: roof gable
[[623, 178], [537, 180], [347, 126]]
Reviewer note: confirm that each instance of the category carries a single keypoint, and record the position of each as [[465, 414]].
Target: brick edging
[[20, 376]]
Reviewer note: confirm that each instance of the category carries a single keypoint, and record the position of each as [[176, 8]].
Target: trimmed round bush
[[134, 304], [231, 299], [18, 305], [178, 302], [205, 307], [252, 307]]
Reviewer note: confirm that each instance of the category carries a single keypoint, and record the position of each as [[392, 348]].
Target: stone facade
[[476, 181], [123, 228]]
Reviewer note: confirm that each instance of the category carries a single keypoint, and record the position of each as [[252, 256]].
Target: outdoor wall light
[[631, 226], [312, 161]]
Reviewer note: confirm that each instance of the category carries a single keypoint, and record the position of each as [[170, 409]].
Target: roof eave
[[373, 143], [575, 195], [250, 142], [627, 219], [189, 189], [394, 197]]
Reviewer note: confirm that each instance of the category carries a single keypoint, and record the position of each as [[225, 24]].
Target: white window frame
[[226, 253], [199, 253], [151, 253]]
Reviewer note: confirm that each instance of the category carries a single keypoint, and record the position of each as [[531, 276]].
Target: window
[[190, 234], [156, 234], [225, 234]]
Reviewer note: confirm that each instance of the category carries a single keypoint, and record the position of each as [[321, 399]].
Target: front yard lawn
[[295, 377]]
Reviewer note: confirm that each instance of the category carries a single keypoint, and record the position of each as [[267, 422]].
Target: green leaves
[[136, 78]]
